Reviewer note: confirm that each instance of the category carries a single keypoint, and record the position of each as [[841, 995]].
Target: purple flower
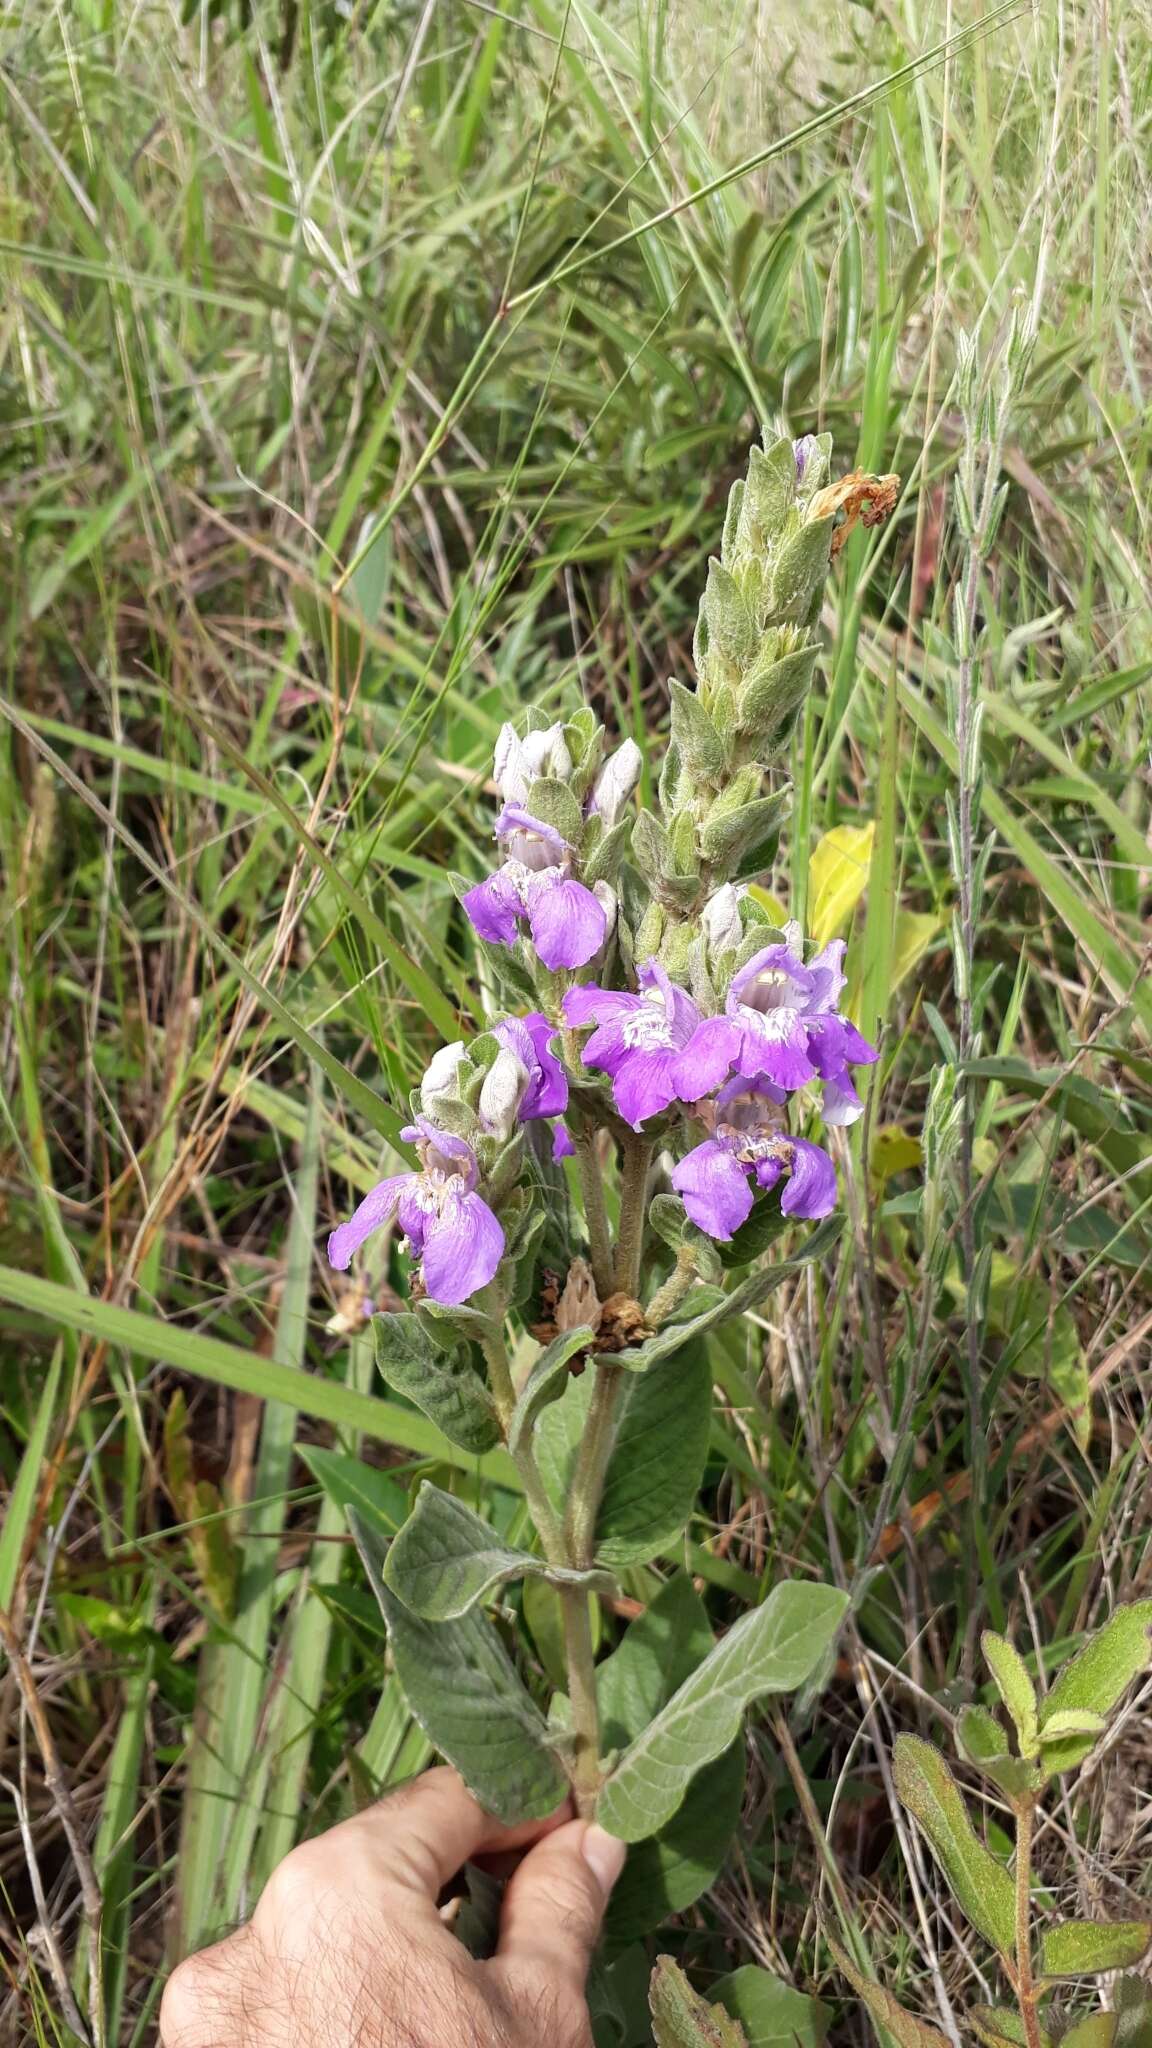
[[449, 1228], [530, 1039], [637, 1040], [780, 1024], [717, 1181], [567, 922], [562, 1146], [802, 450]]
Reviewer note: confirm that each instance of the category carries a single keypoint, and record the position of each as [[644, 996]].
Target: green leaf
[[464, 1692], [837, 878], [748, 1295], [773, 690], [979, 1736], [1015, 1688], [1095, 2030], [656, 1466], [1097, 1678], [906, 2030], [1001, 2026], [682, 2019], [771, 1649], [350, 1483], [661, 1648], [446, 1559], [442, 1383], [980, 1882], [233, 1365], [800, 568], [545, 1383], [773, 2014], [1074, 1722], [1083, 1948], [701, 745], [668, 1872]]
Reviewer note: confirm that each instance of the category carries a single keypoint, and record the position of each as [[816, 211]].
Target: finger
[[418, 1837], [555, 1904]]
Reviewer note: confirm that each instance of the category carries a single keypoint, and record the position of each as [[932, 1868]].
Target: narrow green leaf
[[228, 1365], [980, 1882], [1015, 1688], [906, 2030], [772, 1649], [1097, 1678], [446, 1559], [350, 1483], [22, 1498], [463, 1690], [1085, 1948], [682, 2019]]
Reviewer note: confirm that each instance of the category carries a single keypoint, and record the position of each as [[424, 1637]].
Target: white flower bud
[[616, 781], [606, 898], [441, 1074], [518, 762], [721, 918], [502, 1093]]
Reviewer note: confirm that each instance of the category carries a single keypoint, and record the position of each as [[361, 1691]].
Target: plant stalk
[[1025, 1982], [633, 1215]]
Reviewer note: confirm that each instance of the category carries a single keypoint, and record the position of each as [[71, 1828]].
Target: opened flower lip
[[780, 1024], [530, 1038], [749, 1150], [449, 1227], [637, 1040], [568, 923]]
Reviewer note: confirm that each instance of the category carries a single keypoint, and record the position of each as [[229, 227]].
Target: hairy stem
[[580, 1659], [633, 1214], [592, 1188], [1025, 1982], [676, 1286]]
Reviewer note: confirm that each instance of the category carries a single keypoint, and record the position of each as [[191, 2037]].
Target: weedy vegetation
[[374, 380]]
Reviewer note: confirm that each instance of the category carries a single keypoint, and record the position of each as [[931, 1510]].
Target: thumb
[[555, 1903]]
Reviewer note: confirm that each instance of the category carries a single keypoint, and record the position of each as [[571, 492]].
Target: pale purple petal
[[644, 1083], [566, 922], [708, 1058], [833, 1042], [841, 1104], [827, 974], [811, 1189], [714, 1189], [780, 1058], [738, 1090], [768, 1170], [562, 1146], [514, 819], [548, 1094], [376, 1209], [416, 1211], [493, 908], [463, 1246], [592, 1005], [775, 975]]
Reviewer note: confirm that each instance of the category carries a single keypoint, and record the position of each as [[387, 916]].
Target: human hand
[[346, 1948]]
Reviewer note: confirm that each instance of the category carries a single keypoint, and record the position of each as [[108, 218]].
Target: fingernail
[[604, 1855]]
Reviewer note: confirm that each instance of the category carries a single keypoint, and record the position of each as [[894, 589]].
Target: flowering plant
[[600, 1175]]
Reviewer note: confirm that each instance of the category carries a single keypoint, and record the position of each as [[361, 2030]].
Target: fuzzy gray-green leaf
[[1085, 1948], [464, 1692], [443, 1383], [446, 1559], [771, 1649], [979, 1880], [1097, 1677]]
